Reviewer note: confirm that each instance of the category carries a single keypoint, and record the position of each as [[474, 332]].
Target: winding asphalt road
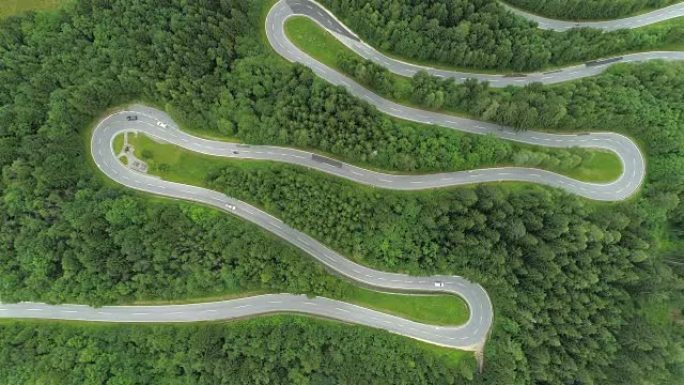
[[285, 9], [656, 16], [626, 185], [470, 336]]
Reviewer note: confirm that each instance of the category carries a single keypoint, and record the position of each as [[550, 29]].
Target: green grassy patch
[[157, 152], [667, 314], [178, 165], [663, 313], [601, 166], [323, 46], [224, 296], [118, 143], [434, 309], [175, 164], [13, 7], [319, 43]]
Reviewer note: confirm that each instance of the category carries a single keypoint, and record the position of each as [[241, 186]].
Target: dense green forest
[[641, 101], [588, 9], [482, 34], [573, 282], [575, 249], [272, 350]]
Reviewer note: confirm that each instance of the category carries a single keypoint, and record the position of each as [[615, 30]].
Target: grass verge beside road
[[323, 46], [118, 144], [602, 166], [433, 309]]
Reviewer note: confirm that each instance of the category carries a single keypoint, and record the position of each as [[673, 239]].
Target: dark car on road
[[131, 118]]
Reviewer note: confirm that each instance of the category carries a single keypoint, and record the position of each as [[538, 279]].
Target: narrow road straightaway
[[470, 336], [638, 21]]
